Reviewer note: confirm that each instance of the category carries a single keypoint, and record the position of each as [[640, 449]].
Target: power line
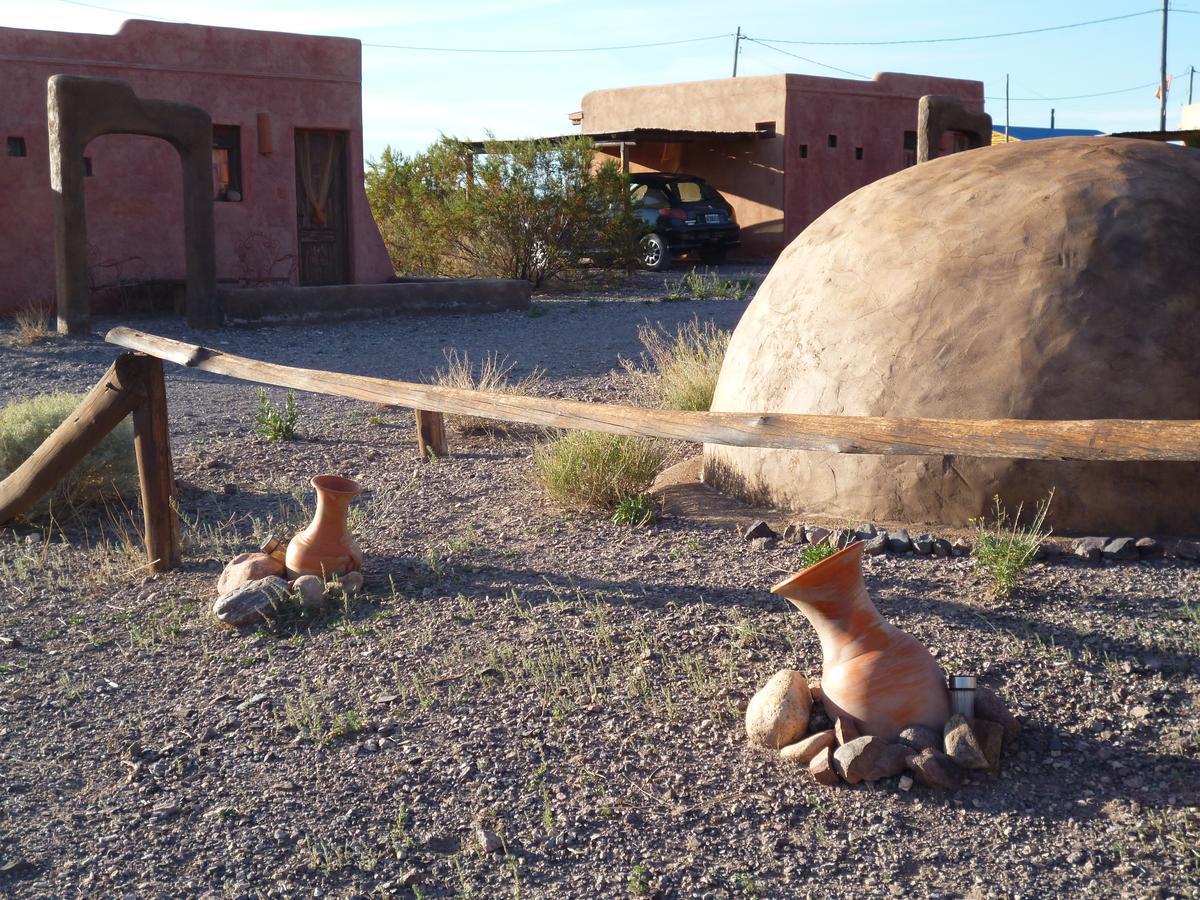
[[124, 12], [696, 40], [969, 37], [805, 58], [1138, 87]]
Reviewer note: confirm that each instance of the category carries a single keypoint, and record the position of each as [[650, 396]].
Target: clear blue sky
[[410, 96]]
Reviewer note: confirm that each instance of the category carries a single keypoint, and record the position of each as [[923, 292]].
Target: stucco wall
[[774, 192], [134, 196]]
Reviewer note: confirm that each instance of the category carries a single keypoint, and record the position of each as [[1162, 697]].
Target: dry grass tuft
[[492, 375], [32, 322], [590, 470], [680, 372]]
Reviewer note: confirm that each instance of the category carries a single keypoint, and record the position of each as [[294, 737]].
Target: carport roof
[[647, 135]]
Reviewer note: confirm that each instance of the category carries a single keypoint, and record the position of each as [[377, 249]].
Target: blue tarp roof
[[1033, 133]]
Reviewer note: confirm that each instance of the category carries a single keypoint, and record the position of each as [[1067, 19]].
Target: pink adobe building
[[781, 148], [289, 204]]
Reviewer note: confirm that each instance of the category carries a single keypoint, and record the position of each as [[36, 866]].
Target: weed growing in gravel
[[277, 423], [707, 284], [313, 716], [639, 881], [814, 553], [31, 322], [635, 510], [492, 374], [1006, 549], [590, 470], [680, 372], [108, 471]]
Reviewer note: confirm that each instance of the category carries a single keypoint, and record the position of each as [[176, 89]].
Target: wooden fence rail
[[1090, 439]]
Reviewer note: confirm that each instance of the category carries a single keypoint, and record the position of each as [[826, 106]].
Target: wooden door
[[321, 207]]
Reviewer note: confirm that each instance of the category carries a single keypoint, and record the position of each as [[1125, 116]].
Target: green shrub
[[1005, 549], [635, 510], [590, 470], [814, 553], [492, 375], [707, 285], [525, 209], [107, 472], [276, 423], [681, 372]]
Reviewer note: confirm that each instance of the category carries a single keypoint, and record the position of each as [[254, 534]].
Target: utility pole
[[1191, 82], [1006, 107], [1162, 75], [1052, 118], [737, 45]]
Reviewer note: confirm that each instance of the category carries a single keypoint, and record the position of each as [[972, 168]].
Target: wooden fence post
[[152, 443], [119, 392], [431, 434]]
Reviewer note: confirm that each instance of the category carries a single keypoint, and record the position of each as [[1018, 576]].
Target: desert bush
[[31, 322], [277, 423], [1005, 548], [107, 472], [590, 470], [814, 553], [680, 372], [707, 285], [525, 209], [492, 374]]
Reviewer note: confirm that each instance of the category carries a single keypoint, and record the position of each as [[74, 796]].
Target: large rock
[[870, 758], [988, 705], [254, 602], [245, 568], [778, 714], [962, 744], [1004, 282], [936, 770], [803, 751]]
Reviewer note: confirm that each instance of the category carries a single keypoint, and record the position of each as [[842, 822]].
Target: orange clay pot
[[873, 672], [326, 547]]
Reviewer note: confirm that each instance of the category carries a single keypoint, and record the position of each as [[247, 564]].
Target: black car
[[682, 214]]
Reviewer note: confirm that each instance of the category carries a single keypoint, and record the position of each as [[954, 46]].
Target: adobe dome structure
[[1053, 279]]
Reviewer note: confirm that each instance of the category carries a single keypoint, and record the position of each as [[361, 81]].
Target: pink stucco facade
[[266, 84], [778, 185]]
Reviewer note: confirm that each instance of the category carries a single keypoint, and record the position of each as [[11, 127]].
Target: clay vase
[[326, 548], [881, 677]]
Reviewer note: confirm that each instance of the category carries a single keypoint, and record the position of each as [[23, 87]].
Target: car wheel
[[655, 255], [714, 256]]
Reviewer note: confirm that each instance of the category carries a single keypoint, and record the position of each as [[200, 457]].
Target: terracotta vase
[[326, 547], [873, 672]]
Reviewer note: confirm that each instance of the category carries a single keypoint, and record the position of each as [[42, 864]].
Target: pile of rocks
[[878, 540], [254, 588], [787, 715], [1123, 549]]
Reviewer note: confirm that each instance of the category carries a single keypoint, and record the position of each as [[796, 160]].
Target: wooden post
[[431, 434], [119, 392], [152, 443]]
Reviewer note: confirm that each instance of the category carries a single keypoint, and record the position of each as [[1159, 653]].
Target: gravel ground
[[572, 687]]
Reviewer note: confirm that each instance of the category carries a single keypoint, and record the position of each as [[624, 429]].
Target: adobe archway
[[81, 108]]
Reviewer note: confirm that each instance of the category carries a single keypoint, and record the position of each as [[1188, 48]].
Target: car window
[[651, 198], [694, 191]]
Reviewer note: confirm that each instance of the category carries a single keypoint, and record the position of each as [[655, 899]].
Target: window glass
[[653, 198], [694, 191], [227, 162]]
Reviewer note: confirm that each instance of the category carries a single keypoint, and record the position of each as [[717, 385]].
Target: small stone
[[1122, 548], [815, 534], [253, 602], [487, 841], [923, 544], [1148, 548], [900, 542], [846, 730], [935, 769], [821, 768], [942, 548], [8, 641], [866, 531], [350, 582], [763, 543], [905, 783], [778, 714], [920, 737], [877, 545], [793, 534], [990, 736], [230, 489], [1090, 548], [759, 529], [1187, 549], [988, 705], [311, 591], [961, 744], [870, 758], [413, 876], [803, 751], [961, 547], [245, 568]]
